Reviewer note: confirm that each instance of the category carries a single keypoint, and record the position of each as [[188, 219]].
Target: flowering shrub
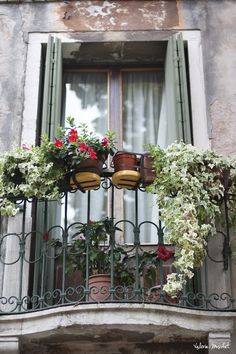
[[189, 188], [75, 144]]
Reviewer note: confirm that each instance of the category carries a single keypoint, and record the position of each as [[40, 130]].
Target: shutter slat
[[184, 90], [56, 88], [177, 105], [171, 89], [52, 94], [46, 109]]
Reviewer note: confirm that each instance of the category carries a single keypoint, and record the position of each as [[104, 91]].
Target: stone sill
[[166, 321]]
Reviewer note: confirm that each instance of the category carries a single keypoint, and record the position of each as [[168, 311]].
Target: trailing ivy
[[189, 188]]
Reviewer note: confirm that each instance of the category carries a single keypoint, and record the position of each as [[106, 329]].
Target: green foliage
[[75, 144], [189, 187], [41, 172], [26, 173], [93, 240]]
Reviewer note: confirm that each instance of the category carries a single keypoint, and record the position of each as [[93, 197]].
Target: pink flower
[[81, 237], [163, 253], [92, 154], [25, 147], [105, 142], [58, 143]]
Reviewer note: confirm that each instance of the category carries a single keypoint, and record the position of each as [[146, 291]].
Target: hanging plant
[[81, 152], [41, 172], [26, 173], [74, 145], [189, 187]]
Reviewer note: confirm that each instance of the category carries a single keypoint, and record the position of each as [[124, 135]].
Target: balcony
[[41, 265]]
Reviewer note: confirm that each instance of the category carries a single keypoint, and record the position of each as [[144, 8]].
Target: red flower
[[163, 253], [105, 142], [46, 236], [72, 136], [92, 154], [58, 143], [83, 147]]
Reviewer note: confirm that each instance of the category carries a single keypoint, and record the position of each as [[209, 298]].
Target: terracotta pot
[[126, 166], [99, 286], [89, 165], [87, 175], [125, 161], [146, 170]]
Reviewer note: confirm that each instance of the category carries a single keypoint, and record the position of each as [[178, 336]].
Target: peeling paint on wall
[[119, 15]]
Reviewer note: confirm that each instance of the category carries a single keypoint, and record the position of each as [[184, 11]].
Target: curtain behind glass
[[86, 99], [142, 118]]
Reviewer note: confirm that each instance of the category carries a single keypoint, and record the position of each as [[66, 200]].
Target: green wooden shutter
[[52, 93], [51, 118], [177, 103]]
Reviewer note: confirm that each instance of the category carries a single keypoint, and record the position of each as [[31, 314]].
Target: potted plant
[[154, 266], [126, 169], [26, 173], [47, 170], [189, 187], [81, 153], [91, 252]]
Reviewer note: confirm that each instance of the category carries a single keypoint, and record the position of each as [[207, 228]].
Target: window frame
[[196, 77], [114, 90]]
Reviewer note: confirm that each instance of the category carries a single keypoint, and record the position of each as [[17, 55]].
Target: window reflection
[[86, 99]]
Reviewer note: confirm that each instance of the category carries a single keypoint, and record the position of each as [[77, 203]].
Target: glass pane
[[142, 104], [86, 99], [142, 98]]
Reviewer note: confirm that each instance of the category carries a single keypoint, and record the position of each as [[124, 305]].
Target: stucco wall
[[217, 22], [215, 19]]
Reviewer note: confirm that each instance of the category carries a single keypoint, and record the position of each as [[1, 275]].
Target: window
[[144, 100], [171, 58]]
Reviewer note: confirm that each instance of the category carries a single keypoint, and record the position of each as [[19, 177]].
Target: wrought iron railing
[[41, 266]]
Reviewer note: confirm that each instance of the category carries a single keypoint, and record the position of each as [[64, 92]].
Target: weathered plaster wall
[[17, 20], [119, 15], [12, 66], [217, 22]]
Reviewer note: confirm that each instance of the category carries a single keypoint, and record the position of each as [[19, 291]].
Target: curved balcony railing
[[42, 268]]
